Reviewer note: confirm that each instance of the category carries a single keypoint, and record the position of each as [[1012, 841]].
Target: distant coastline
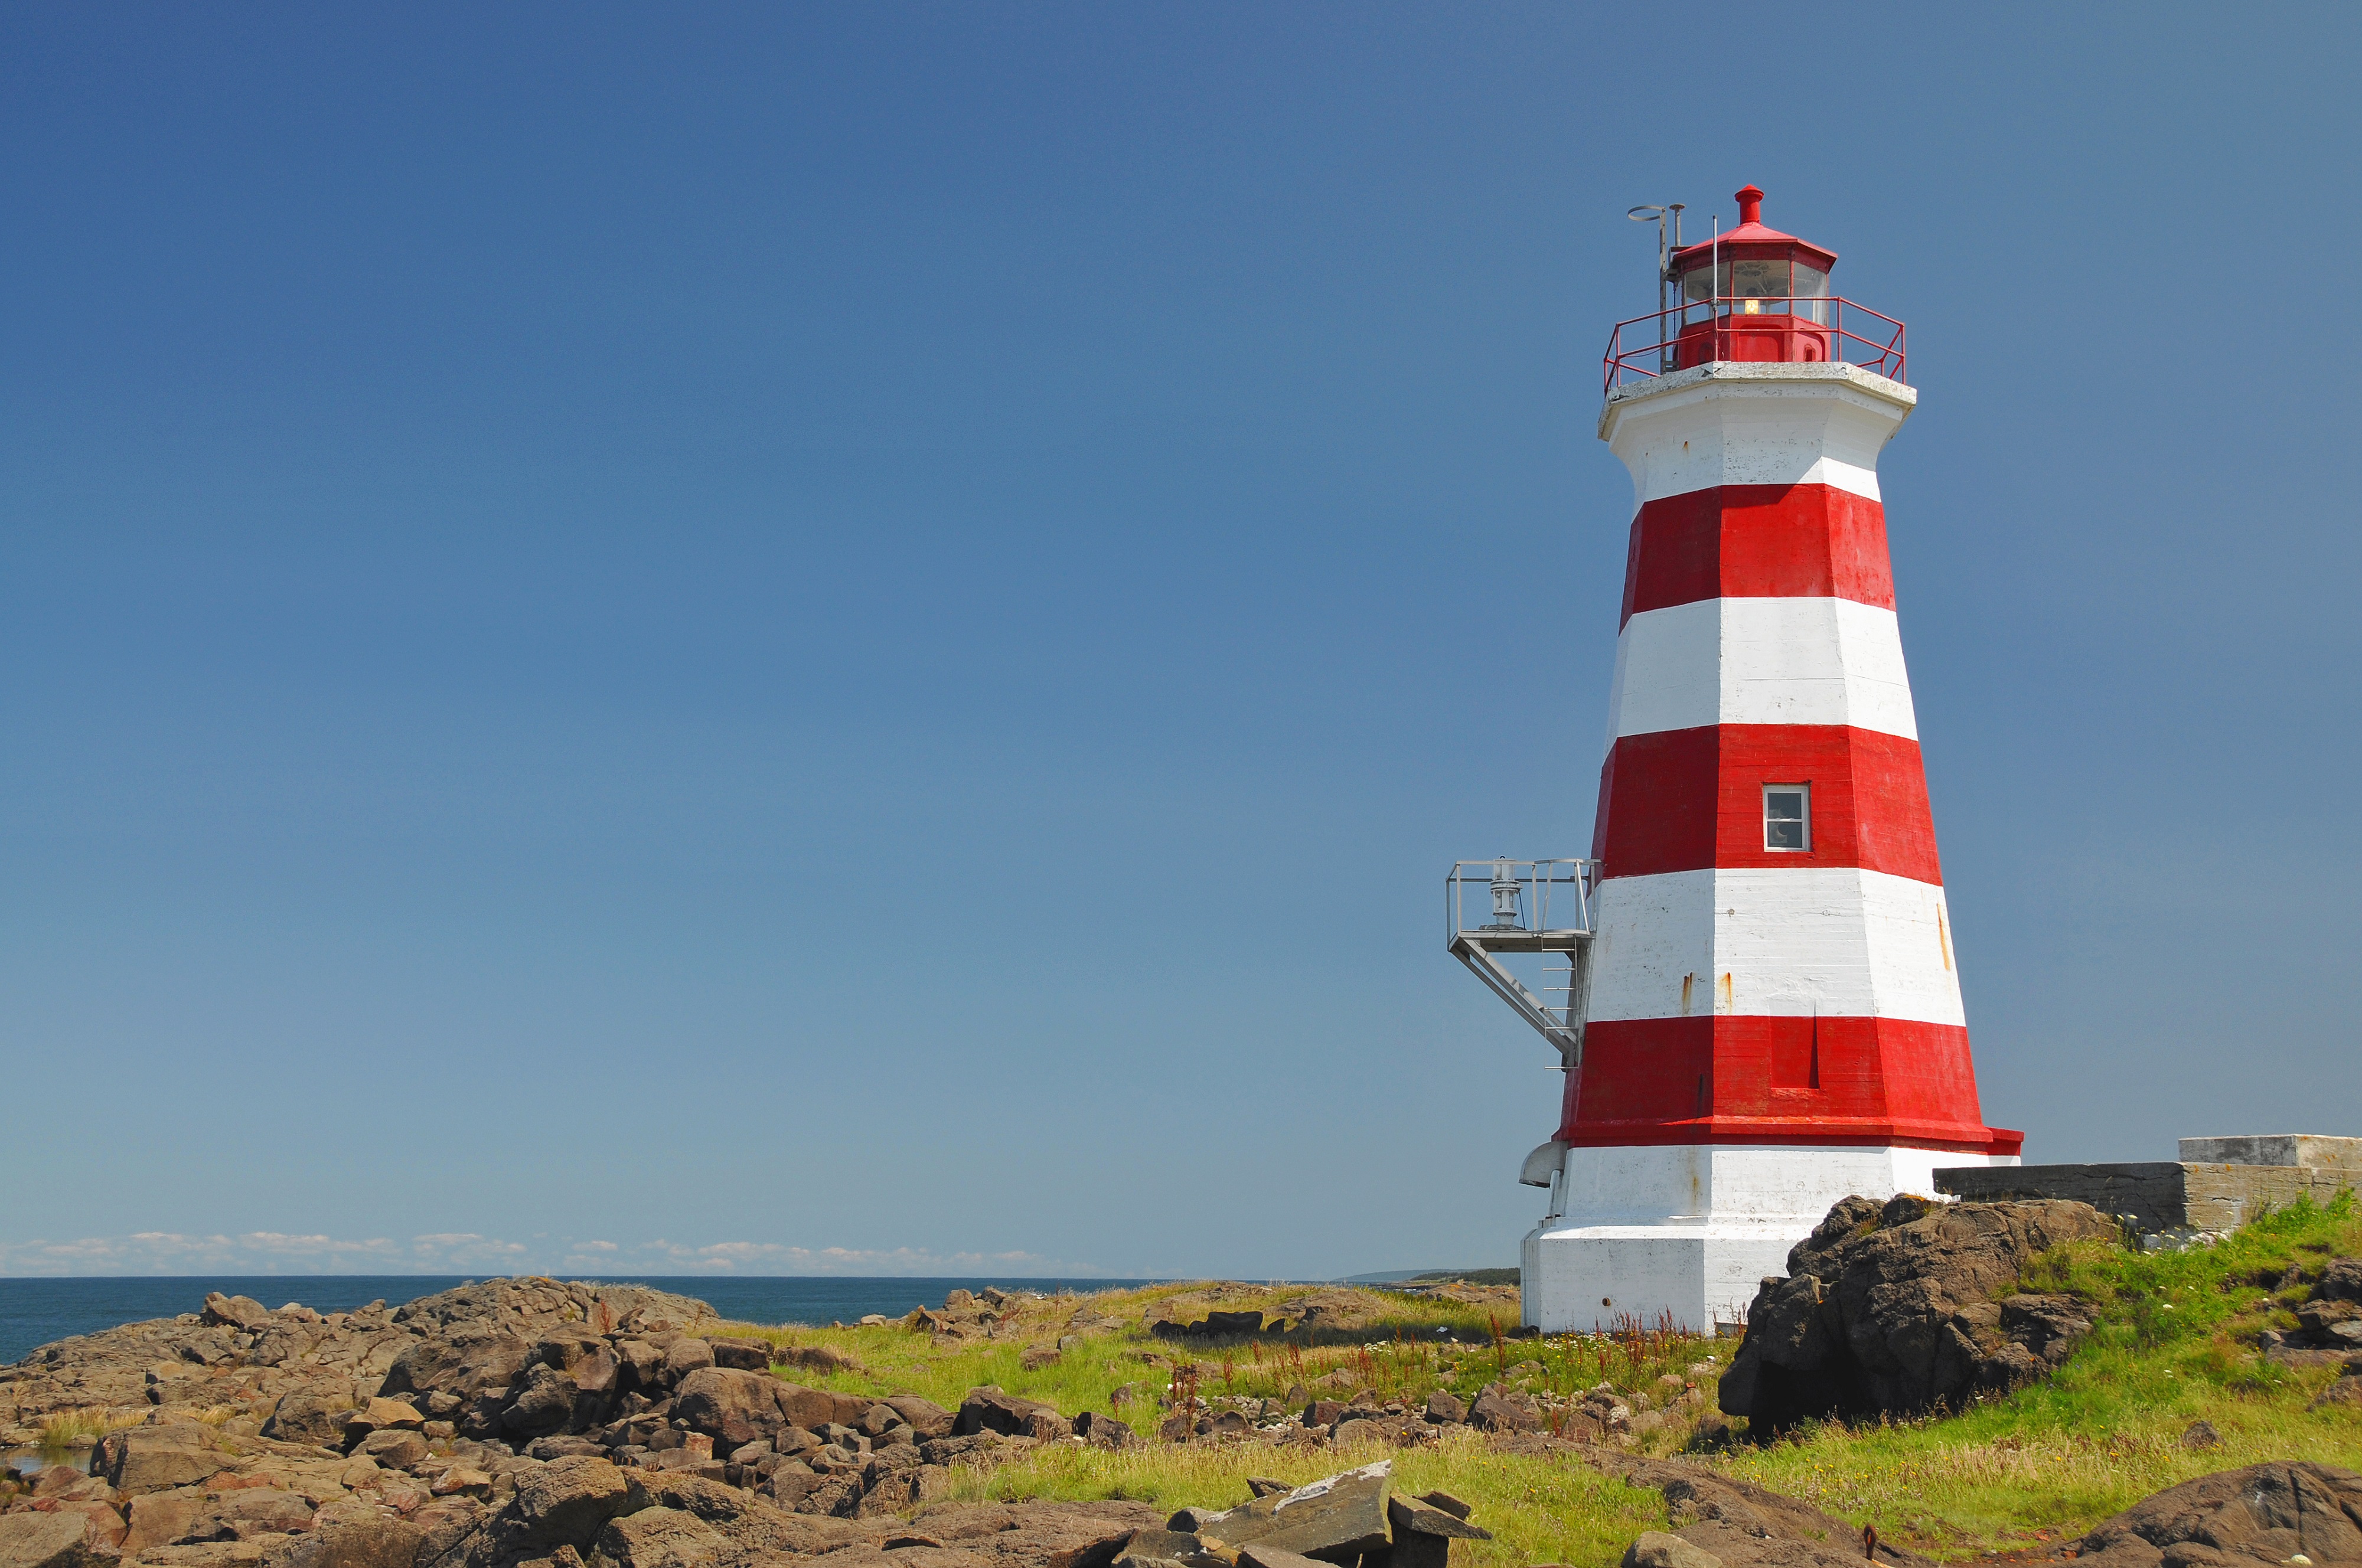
[[35, 1311]]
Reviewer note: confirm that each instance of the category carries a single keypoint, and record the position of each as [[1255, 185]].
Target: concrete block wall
[[2218, 1183]]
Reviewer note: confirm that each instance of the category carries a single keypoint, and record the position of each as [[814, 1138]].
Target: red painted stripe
[[1758, 541], [1857, 1081], [1687, 800]]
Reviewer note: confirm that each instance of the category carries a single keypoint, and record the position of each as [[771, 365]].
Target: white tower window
[[1788, 817]]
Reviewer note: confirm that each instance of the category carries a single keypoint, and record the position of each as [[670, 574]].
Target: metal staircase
[[1536, 907]]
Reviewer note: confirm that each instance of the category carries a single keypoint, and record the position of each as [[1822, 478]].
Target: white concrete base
[[1691, 1229]]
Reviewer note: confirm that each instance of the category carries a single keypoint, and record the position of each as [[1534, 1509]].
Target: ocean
[[35, 1311]]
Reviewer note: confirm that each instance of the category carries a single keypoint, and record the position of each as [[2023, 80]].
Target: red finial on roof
[[1751, 203]]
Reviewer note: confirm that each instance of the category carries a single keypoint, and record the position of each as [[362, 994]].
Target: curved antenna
[[1644, 213]]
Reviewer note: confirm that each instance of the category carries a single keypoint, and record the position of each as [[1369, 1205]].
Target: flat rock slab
[[1335, 1518]]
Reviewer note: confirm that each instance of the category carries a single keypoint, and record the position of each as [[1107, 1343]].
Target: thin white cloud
[[469, 1251]]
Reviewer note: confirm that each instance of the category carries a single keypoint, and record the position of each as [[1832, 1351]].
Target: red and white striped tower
[[1773, 1016]]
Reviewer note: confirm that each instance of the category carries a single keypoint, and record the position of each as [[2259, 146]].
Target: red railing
[[1798, 330]]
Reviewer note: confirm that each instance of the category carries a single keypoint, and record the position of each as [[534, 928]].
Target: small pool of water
[[33, 1461]]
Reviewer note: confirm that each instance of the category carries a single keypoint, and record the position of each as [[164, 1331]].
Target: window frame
[[1803, 789]]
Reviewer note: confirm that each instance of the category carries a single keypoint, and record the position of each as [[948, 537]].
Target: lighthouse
[[1761, 1010]]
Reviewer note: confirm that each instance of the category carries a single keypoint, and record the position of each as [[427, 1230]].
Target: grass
[[2173, 1343], [1539, 1511], [80, 1429], [1396, 1346]]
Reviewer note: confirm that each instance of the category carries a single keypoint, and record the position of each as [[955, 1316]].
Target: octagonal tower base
[[1689, 1231]]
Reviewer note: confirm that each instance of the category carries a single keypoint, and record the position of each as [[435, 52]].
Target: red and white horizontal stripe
[[1740, 993]]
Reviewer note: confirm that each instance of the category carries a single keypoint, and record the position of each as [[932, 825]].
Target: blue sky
[[855, 638]]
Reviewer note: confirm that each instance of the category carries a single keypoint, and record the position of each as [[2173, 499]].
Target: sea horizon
[[39, 1310]]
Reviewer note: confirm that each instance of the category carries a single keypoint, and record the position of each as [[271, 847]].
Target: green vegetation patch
[[2173, 1342]]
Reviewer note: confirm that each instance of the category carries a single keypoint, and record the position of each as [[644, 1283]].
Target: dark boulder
[[987, 1409], [544, 1405], [1104, 1432], [745, 1355], [730, 1405], [927, 1419], [1499, 1411], [1215, 1325], [1424, 1532], [1905, 1307], [481, 1362], [2341, 1280]]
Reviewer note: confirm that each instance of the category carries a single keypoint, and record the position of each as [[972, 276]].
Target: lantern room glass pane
[[1697, 285], [1760, 279], [1812, 286]]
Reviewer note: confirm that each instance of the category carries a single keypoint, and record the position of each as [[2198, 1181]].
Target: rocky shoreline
[[533, 1422]]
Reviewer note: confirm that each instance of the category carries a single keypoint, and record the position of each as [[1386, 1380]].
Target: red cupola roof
[[1752, 241]]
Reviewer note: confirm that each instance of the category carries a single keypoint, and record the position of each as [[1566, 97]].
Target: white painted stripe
[[1837, 940], [1761, 661], [1742, 432]]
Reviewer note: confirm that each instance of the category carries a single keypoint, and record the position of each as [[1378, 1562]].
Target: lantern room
[[1754, 293]]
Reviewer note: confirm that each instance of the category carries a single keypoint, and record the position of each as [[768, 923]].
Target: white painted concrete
[[1761, 661], [1755, 425], [1691, 1229], [1838, 942]]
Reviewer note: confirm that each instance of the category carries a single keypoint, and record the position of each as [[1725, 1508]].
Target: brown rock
[[380, 1414], [102, 1527], [306, 1417], [744, 1355], [2271, 1511], [814, 1408], [686, 1356], [1103, 1431], [393, 1449], [989, 1409], [1656, 1548], [925, 1418], [659, 1538], [466, 1366], [43, 1541], [374, 1542], [237, 1312], [153, 1459], [545, 1405], [1495, 1411], [730, 1405], [569, 1500], [1419, 1518], [816, 1358], [159, 1518]]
